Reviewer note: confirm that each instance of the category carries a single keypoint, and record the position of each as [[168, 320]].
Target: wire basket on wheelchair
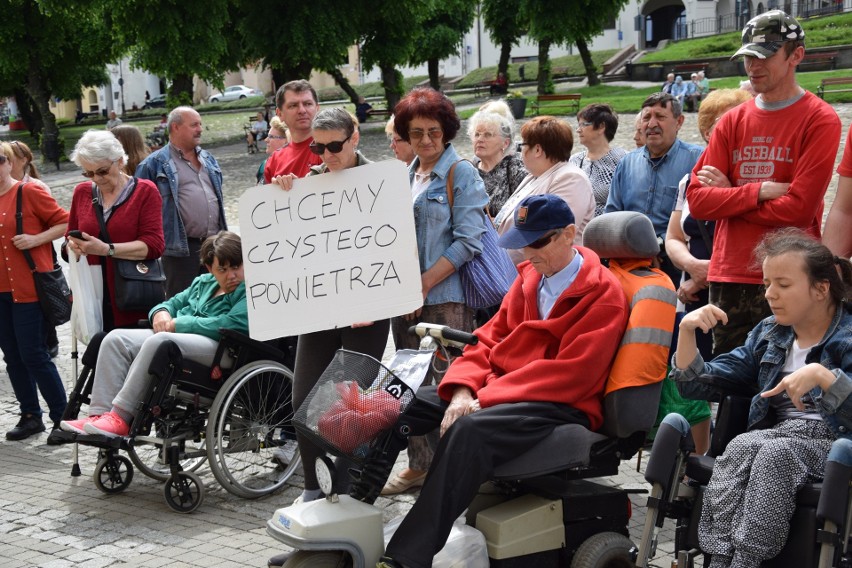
[[355, 401]]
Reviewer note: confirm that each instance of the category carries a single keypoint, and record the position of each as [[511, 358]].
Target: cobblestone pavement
[[52, 520]]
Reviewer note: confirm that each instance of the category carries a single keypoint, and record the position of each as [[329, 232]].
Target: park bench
[[559, 71], [570, 100], [824, 59], [383, 112], [834, 81], [689, 68]]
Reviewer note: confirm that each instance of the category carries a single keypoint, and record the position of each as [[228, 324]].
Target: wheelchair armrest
[[731, 421], [236, 341], [834, 497]]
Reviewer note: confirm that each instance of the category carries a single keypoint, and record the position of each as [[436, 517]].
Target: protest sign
[[337, 249]]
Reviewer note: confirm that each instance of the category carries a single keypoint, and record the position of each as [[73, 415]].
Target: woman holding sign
[[336, 140], [447, 236]]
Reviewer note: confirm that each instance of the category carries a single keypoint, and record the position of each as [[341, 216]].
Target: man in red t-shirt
[[767, 166], [295, 104], [837, 235]]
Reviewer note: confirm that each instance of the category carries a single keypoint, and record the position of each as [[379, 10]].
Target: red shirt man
[[295, 104]]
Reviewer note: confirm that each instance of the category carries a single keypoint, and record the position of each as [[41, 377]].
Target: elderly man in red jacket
[[541, 361]]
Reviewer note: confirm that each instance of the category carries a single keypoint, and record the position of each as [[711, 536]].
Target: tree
[[311, 39], [506, 24], [50, 49], [440, 33], [180, 40], [387, 41]]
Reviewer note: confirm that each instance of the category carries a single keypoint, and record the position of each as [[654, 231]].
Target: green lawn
[[572, 63], [819, 32]]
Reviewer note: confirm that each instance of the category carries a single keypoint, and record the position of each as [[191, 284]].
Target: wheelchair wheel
[[113, 474], [601, 549], [318, 559], [184, 492], [251, 442], [149, 458]]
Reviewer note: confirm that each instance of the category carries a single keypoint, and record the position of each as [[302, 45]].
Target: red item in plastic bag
[[357, 418]]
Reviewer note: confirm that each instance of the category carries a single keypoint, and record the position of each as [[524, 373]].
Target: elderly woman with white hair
[[492, 130], [132, 212]]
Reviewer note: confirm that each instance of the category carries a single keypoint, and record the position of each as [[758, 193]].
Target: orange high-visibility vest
[[643, 355]]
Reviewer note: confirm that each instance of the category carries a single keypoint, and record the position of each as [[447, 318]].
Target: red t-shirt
[[845, 167], [294, 158], [795, 145]]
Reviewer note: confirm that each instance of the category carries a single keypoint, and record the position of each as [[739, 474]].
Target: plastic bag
[[357, 417], [411, 366], [465, 547], [87, 293]]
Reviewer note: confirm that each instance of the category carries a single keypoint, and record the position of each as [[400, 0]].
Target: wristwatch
[[111, 251]]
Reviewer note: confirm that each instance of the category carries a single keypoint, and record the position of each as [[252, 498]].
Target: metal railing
[[735, 22]]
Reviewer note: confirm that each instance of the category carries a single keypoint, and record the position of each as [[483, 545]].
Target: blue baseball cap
[[535, 216]]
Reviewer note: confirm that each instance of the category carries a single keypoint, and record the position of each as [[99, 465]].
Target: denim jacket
[[159, 168], [762, 358], [457, 237], [640, 185]]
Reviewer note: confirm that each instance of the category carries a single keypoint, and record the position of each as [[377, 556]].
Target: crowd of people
[[740, 227]]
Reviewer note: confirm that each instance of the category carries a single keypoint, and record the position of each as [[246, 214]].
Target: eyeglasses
[[543, 241], [276, 137], [100, 172], [584, 125], [333, 147], [486, 135], [519, 148], [3, 158], [432, 133]]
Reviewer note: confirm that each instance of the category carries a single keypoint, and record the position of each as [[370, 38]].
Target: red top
[[795, 145], [140, 218], [40, 212], [565, 358], [294, 158], [845, 167]]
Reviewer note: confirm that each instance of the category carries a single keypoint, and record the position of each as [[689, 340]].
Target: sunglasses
[[3, 158], [100, 172], [433, 133], [543, 241], [333, 147], [276, 137]]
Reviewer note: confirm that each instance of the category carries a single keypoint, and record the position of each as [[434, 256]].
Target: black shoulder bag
[[54, 294], [139, 284]]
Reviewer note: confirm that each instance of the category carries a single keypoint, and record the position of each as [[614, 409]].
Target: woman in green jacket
[[191, 319]]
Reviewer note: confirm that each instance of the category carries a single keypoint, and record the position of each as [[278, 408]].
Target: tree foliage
[[506, 23], [440, 32]]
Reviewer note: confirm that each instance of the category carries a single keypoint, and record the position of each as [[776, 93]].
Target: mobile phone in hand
[[76, 234]]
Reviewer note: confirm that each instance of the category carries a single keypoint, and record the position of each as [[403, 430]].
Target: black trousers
[[465, 458], [182, 270]]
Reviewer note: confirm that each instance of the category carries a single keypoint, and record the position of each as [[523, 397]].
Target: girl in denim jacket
[[800, 361]]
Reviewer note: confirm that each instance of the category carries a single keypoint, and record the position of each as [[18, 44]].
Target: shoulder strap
[[99, 214], [19, 224], [450, 185]]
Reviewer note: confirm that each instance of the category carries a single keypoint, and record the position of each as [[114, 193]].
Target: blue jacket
[[759, 362], [436, 236], [640, 185], [160, 169]]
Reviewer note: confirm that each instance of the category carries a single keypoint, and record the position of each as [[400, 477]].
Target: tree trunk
[[545, 81], [181, 89], [28, 111], [505, 53], [344, 84], [50, 145], [434, 79], [591, 71], [392, 82]]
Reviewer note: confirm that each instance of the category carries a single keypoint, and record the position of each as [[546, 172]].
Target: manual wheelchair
[[235, 414], [679, 478]]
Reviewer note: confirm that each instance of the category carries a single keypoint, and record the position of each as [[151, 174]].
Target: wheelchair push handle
[[445, 335]]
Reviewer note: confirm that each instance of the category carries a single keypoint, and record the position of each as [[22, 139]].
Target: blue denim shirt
[[640, 185], [158, 168], [457, 237], [762, 358]]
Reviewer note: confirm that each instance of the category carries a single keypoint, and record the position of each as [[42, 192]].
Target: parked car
[[156, 102], [233, 93]]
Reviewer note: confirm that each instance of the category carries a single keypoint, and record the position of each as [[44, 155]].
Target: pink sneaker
[[108, 424], [76, 426]]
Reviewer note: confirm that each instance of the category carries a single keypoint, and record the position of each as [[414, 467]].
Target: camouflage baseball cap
[[763, 35]]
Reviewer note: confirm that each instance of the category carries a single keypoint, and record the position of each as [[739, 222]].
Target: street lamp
[[120, 83]]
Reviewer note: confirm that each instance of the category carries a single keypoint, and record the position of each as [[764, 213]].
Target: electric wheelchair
[[679, 478], [235, 414]]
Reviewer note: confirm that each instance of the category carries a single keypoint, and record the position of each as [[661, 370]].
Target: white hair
[[98, 146], [502, 124]]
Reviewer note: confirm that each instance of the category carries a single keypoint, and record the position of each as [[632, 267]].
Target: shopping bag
[[87, 291]]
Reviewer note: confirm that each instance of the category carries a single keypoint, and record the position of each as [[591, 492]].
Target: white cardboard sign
[[337, 249]]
